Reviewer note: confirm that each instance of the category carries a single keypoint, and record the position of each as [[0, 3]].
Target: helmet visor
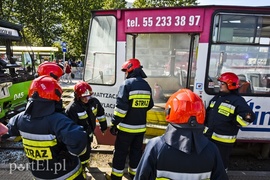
[[86, 93]]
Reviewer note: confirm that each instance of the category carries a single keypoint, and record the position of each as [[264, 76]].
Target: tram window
[[240, 44], [161, 54], [165, 59], [100, 62], [241, 28], [252, 62]]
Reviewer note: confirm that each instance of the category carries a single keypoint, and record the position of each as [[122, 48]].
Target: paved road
[[98, 174], [71, 85]]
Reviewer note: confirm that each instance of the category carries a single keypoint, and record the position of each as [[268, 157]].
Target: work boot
[[86, 167], [131, 176], [84, 170], [84, 174], [107, 176], [112, 177]]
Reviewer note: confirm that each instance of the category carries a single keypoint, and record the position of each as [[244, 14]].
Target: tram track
[[101, 156], [101, 159], [11, 148], [18, 146], [97, 151]]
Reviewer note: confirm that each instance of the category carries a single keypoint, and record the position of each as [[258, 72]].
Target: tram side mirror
[[222, 59], [101, 76], [182, 77]]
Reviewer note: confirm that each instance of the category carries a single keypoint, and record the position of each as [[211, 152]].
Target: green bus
[[15, 77]]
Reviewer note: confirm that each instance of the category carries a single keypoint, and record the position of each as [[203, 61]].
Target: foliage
[[163, 3], [50, 22], [114, 4], [7, 10], [41, 20], [75, 21]]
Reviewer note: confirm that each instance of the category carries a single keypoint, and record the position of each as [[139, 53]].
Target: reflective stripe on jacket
[[134, 99], [225, 115], [193, 156], [87, 114], [49, 141]]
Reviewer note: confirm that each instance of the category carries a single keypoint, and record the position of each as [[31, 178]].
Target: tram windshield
[[240, 44]]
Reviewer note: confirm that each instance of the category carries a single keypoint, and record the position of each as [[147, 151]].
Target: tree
[[48, 21], [41, 20], [75, 21], [163, 3], [114, 4], [7, 10]]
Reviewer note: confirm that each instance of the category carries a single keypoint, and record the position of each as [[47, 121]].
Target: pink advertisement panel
[[169, 20]]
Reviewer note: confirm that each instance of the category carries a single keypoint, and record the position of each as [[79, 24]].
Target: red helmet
[[82, 89], [130, 65], [50, 69], [230, 79], [46, 87], [183, 105]]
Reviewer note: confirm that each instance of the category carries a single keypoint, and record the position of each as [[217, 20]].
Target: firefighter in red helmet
[[50, 69], [130, 65], [183, 152], [85, 110], [226, 113], [55, 71], [134, 99], [52, 141]]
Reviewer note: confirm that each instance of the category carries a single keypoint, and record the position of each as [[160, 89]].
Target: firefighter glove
[[248, 117], [114, 130]]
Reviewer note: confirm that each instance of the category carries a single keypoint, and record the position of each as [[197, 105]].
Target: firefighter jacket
[[181, 153], [87, 114], [133, 100], [52, 142], [226, 113]]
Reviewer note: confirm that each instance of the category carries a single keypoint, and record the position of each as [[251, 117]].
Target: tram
[[183, 47]]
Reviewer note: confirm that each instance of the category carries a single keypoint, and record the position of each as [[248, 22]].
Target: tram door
[[169, 61]]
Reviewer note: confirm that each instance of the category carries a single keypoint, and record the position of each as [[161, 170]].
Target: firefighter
[[50, 69], [52, 142], [226, 113], [55, 71], [85, 110], [134, 99], [183, 152]]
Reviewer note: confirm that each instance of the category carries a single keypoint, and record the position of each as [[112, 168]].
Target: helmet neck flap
[[39, 107], [138, 72]]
